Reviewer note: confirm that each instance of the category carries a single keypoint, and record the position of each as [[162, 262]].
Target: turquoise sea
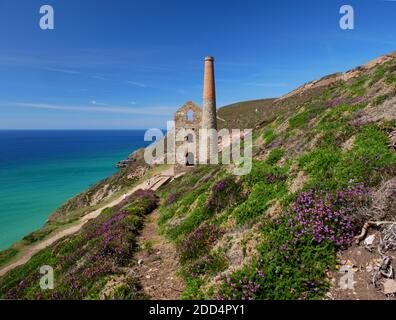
[[40, 170]]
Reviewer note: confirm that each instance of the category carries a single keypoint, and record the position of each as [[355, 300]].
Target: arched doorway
[[190, 159], [189, 138]]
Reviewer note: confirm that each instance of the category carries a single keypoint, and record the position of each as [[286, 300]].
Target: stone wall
[[187, 136]]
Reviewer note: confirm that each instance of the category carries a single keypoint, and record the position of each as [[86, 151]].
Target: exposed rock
[[275, 210], [298, 182], [138, 173], [312, 144], [348, 145], [372, 114], [392, 138], [369, 240], [133, 157]]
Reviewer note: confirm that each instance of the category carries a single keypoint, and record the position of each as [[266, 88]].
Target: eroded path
[[150, 184], [158, 263]]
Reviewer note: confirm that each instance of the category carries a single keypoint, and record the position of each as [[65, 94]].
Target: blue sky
[[126, 64]]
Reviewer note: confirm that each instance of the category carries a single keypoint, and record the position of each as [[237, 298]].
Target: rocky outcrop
[[133, 157]]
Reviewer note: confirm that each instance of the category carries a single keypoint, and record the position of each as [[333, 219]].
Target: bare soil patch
[[364, 264], [157, 263]]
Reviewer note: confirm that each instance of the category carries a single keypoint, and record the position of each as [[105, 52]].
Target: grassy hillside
[[274, 233], [321, 153], [250, 113], [86, 264]]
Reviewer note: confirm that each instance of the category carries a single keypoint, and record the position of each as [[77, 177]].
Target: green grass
[[247, 114], [302, 119], [380, 99], [269, 135], [147, 246], [391, 80], [378, 74], [283, 269], [206, 266], [193, 219], [266, 183], [357, 88], [275, 155], [7, 255], [83, 262], [302, 274], [330, 168], [39, 235]]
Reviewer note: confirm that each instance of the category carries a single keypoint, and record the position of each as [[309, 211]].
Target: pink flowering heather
[[199, 241], [243, 288], [327, 216], [340, 100], [101, 248]]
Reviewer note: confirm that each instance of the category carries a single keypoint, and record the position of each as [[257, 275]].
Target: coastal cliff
[[324, 157]]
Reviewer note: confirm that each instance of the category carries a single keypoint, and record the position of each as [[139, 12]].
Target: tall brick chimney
[[208, 150], [209, 116]]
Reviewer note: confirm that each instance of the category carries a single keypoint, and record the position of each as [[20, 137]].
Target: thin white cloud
[[137, 84], [63, 70], [96, 103], [151, 111]]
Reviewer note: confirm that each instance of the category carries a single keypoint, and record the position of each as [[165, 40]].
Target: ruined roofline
[[187, 105]]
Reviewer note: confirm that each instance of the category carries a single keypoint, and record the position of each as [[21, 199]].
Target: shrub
[[38, 235], [380, 99], [83, 262], [343, 101], [7, 255], [357, 88], [301, 120], [224, 194], [299, 248], [335, 102], [378, 74], [330, 168], [275, 155], [198, 242], [210, 264], [391, 80], [259, 200], [369, 155], [173, 198], [283, 270], [196, 212], [130, 290], [196, 192], [328, 216], [269, 136], [266, 183]]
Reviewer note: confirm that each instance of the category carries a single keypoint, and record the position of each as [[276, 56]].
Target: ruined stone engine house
[[190, 118]]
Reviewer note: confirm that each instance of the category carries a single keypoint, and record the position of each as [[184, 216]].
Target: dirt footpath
[[157, 263]]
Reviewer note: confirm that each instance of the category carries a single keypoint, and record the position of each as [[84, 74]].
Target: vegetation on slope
[[91, 264], [249, 113], [320, 153], [271, 240]]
